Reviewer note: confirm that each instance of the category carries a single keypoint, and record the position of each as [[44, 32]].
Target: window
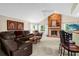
[[42, 28], [33, 27]]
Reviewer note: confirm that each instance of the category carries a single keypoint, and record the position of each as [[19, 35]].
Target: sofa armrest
[[11, 45], [26, 44], [24, 50]]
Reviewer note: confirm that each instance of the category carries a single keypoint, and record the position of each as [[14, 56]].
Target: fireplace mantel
[[53, 27]]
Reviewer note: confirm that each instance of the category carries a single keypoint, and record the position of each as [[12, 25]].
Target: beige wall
[[68, 20], [45, 23], [3, 23]]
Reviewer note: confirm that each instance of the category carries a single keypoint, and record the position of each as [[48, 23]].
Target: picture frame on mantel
[[11, 25]]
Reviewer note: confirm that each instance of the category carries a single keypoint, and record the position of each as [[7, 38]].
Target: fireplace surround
[[54, 24], [53, 32]]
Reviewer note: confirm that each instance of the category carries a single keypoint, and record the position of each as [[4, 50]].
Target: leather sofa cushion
[[7, 35], [11, 44], [18, 33], [25, 33]]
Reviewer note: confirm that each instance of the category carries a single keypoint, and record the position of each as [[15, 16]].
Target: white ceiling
[[34, 12]]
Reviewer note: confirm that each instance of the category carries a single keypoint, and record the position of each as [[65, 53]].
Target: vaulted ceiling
[[35, 12]]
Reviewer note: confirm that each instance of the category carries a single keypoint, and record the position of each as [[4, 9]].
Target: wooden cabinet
[[54, 17], [54, 23], [49, 22]]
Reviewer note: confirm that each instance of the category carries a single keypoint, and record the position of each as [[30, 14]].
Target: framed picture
[[11, 25], [20, 26]]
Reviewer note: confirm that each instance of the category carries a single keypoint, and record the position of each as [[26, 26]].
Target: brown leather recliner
[[14, 47], [36, 37], [39, 36], [37, 33]]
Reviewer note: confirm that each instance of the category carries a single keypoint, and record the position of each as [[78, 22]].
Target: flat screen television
[[72, 27]]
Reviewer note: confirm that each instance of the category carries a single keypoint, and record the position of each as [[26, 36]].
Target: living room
[[36, 27]]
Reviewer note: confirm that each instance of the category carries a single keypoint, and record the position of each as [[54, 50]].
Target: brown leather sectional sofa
[[16, 43]]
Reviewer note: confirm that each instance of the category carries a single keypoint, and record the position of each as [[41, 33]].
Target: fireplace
[[54, 24], [53, 33]]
